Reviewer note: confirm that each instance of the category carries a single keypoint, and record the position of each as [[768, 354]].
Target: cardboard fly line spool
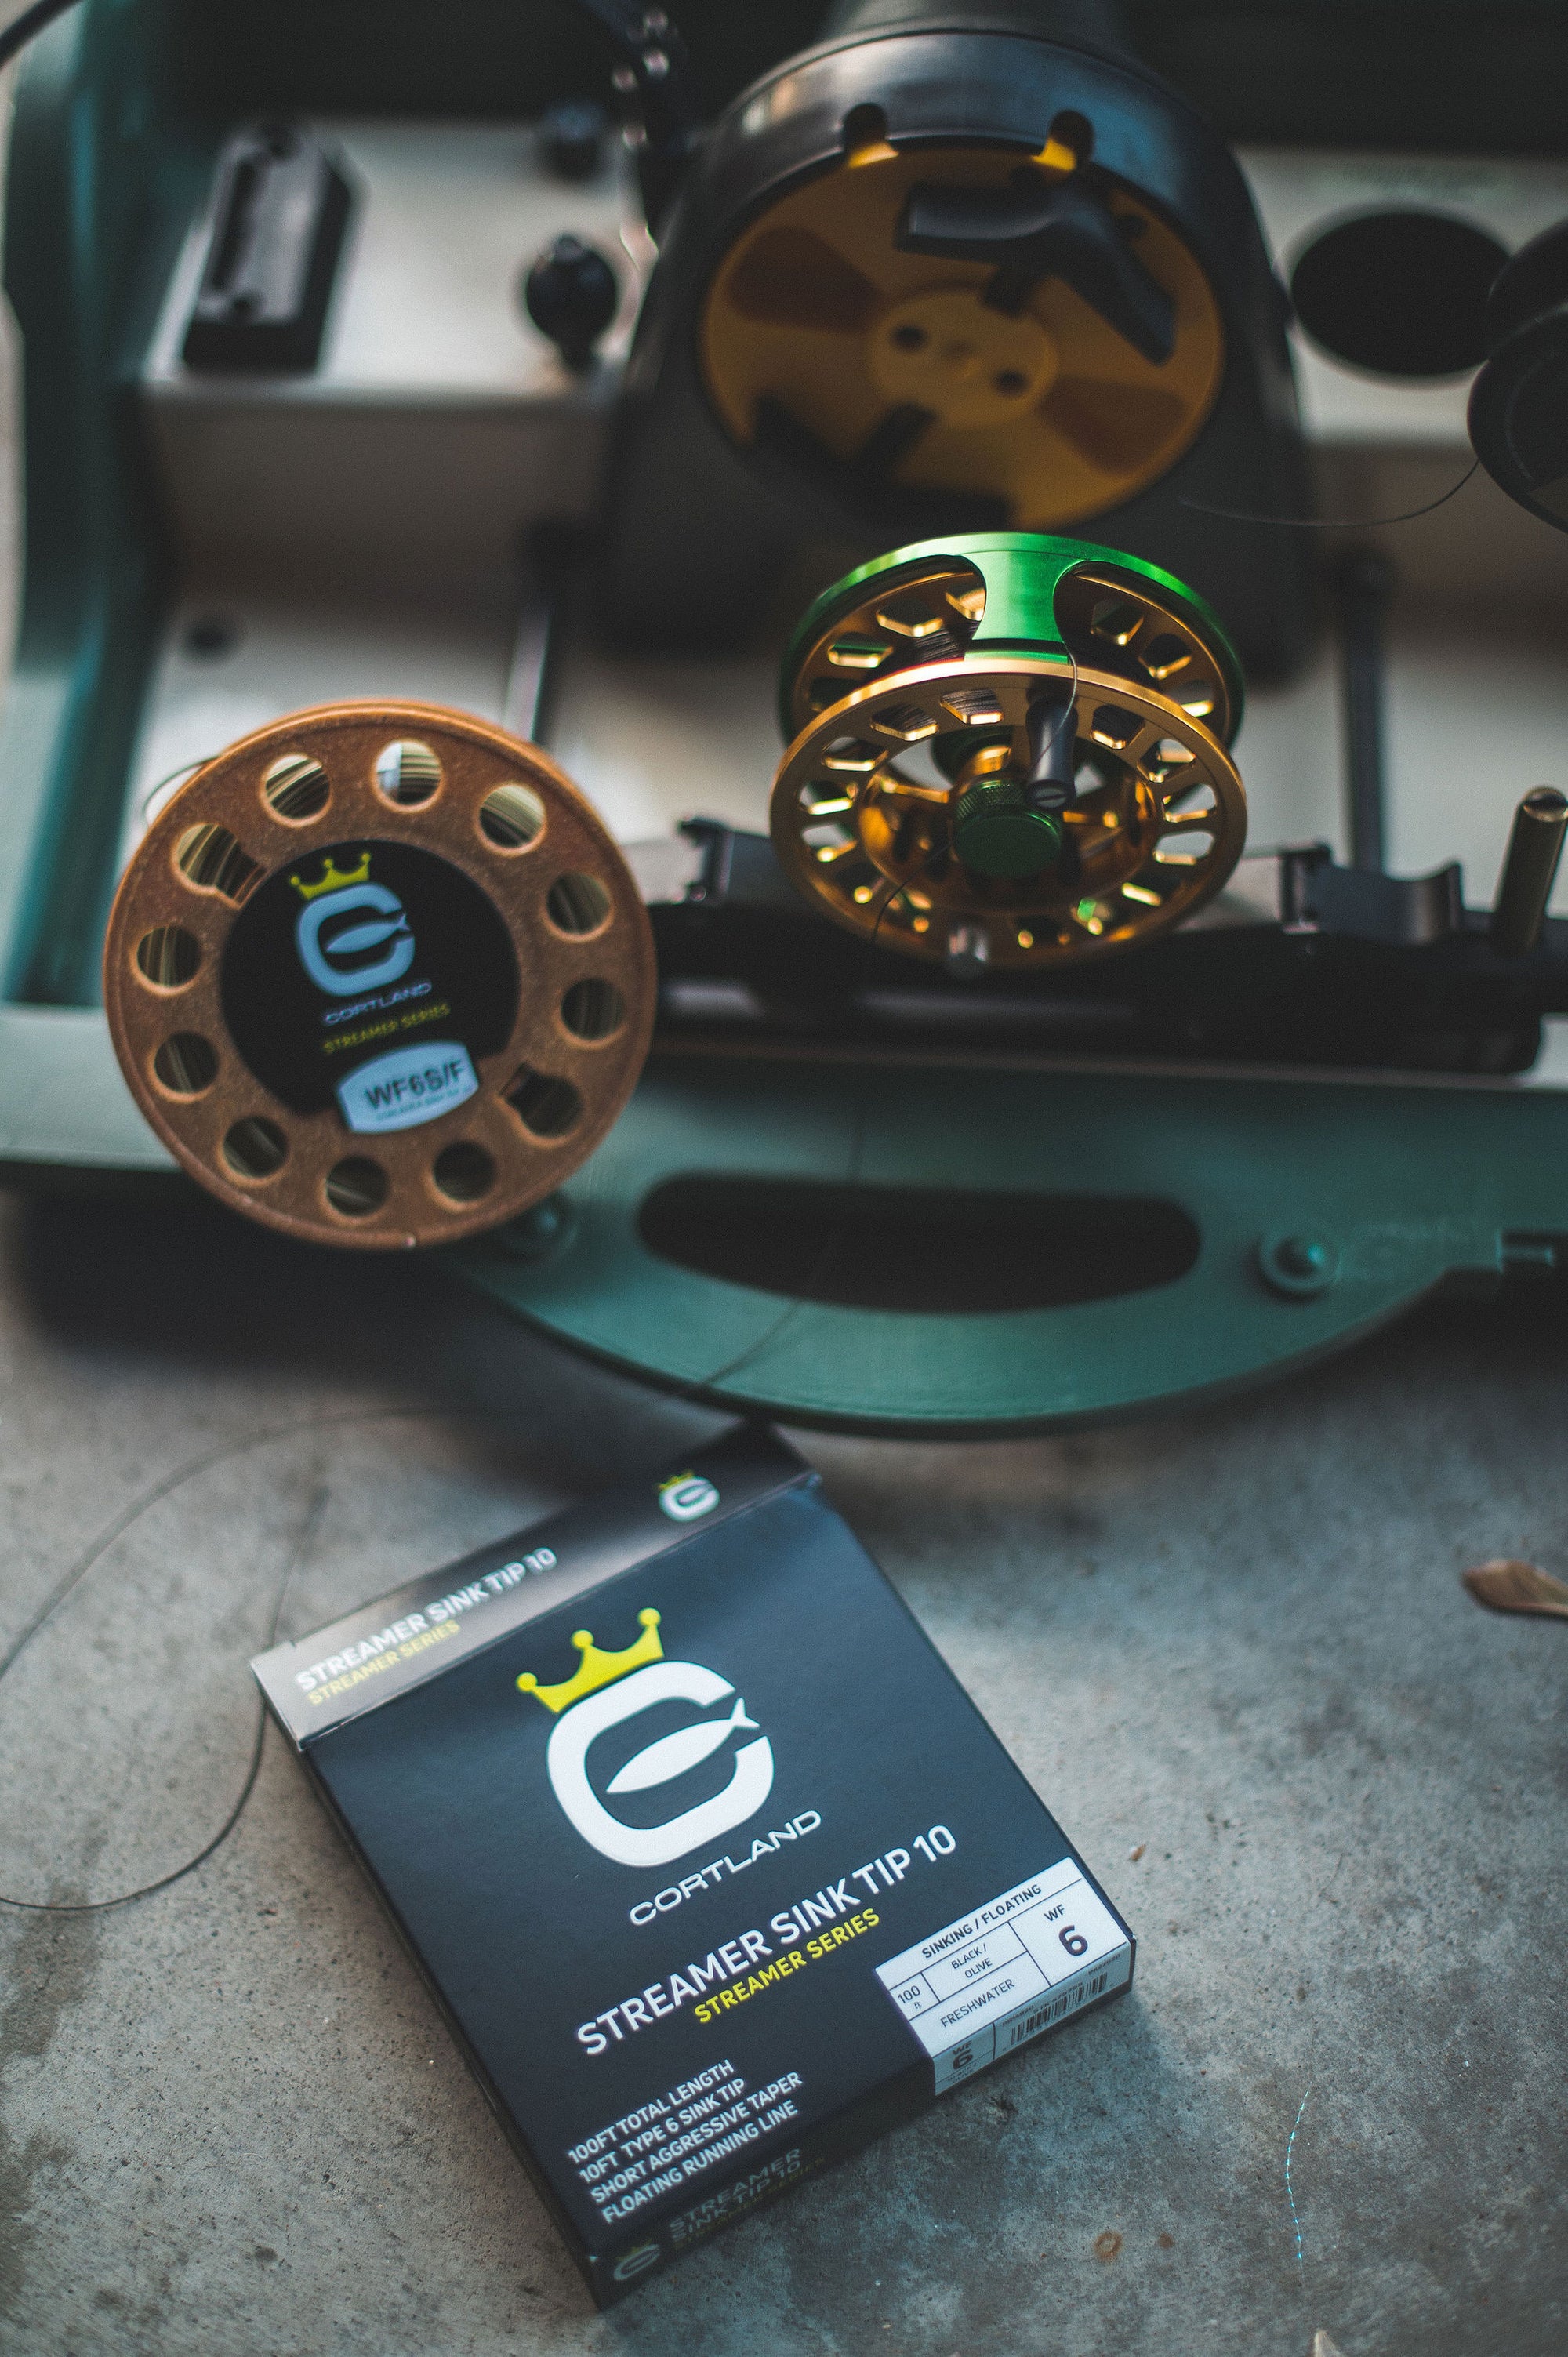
[[378, 975]]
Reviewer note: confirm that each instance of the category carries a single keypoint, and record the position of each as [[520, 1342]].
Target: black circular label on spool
[[371, 977]]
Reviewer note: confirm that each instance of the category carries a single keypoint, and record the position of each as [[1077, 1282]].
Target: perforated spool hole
[[211, 859], [169, 957], [255, 1147], [1184, 850], [859, 654], [543, 1104], [511, 817], [355, 1187], [462, 1171], [853, 756], [592, 1010], [407, 773], [186, 1064], [296, 788], [1113, 727], [577, 904], [1164, 657], [1115, 620], [1190, 802]]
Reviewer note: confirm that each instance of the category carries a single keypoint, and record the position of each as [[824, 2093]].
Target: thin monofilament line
[[167, 1484], [1333, 523], [806, 1299], [1290, 2193], [146, 1891], [94, 1553]]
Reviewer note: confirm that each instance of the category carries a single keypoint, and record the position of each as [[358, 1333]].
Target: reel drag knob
[[1008, 749], [570, 294], [997, 833]]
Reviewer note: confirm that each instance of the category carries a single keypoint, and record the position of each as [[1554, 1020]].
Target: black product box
[[713, 1867]]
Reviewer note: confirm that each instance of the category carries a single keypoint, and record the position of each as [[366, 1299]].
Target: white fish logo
[[674, 1754], [388, 924], [354, 938]]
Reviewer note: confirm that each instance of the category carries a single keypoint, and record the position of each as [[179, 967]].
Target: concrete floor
[[1234, 1644]]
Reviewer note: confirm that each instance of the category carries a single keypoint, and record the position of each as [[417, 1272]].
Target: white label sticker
[[408, 1086], [1007, 1971]]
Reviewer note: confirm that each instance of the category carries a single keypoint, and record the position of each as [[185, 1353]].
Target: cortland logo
[[685, 1496], [636, 2262], [640, 1677], [335, 895]]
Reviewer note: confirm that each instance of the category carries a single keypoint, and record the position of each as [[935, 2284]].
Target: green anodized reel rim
[[1010, 748]]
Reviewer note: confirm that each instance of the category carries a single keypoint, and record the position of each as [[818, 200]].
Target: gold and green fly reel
[[1009, 750]]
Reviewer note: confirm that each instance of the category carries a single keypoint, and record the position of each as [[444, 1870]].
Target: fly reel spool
[[1009, 751], [962, 268], [968, 323], [378, 975]]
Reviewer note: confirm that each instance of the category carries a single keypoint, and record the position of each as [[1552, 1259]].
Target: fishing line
[[1290, 2191], [806, 1298], [167, 1486], [837, 1236], [1333, 523], [94, 1553]]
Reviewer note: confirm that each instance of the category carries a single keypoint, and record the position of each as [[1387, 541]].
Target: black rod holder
[[1535, 846], [1365, 587]]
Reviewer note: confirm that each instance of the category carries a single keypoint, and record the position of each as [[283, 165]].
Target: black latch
[[282, 209]]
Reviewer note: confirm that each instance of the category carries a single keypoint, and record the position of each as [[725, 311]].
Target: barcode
[[1082, 1992]]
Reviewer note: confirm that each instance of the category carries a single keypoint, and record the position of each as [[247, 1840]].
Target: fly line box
[[713, 1867]]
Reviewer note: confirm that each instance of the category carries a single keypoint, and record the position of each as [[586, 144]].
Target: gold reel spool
[[378, 975], [866, 813], [818, 324]]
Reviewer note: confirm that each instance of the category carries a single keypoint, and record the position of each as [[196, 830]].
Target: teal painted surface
[[1021, 572], [102, 177], [1409, 1186]]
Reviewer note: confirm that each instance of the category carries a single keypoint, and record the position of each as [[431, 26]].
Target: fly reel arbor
[[378, 975], [1009, 751]]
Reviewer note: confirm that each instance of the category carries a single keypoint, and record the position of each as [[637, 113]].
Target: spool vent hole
[[255, 1147], [1114, 727], [511, 817], [186, 1064], [355, 1187], [910, 616], [547, 1106], [1165, 658], [592, 1010], [852, 754], [168, 956], [864, 126], [212, 860], [1188, 849], [577, 904], [296, 788], [407, 773], [1112, 618], [463, 1172], [1075, 131]]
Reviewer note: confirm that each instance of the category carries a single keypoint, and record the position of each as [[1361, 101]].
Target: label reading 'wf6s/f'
[[373, 976], [1007, 1971]]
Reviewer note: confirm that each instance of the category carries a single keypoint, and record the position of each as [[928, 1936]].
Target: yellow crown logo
[[597, 1669], [331, 880]]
